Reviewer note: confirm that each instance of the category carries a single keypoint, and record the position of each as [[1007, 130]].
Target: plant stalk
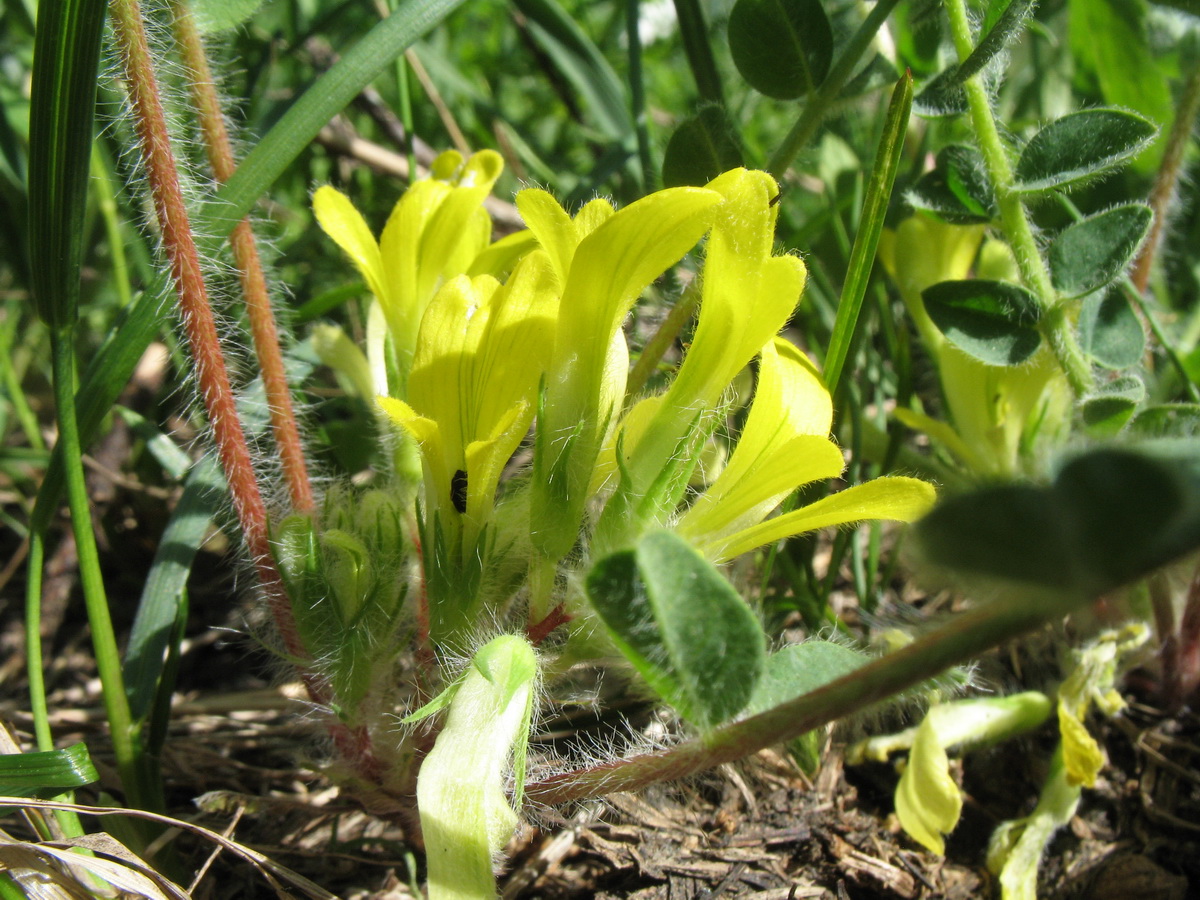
[[196, 312], [961, 639], [1168, 177], [826, 95], [1056, 325], [245, 253], [135, 775]]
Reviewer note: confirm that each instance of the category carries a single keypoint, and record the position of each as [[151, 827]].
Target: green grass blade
[[46, 773], [862, 257], [61, 121], [582, 63], [331, 93], [163, 593]]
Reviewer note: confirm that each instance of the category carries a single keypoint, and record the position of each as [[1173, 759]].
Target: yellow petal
[[434, 233], [928, 802], [427, 433], [552, 227], [341, 221], [897, 498], [747, 294], [1082, 756]]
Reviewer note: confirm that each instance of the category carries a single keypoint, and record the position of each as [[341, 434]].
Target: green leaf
[[1110, 517], [163, 592], [1091, 253], [702, 147], [783, 48], [47, 773], [957, 190], [1110, 331], [800, 669], [1106, 411], [1168, 420], [681, 625], [1081, 146], [61, 122], [942, 96], [1007, 28], [582, 64], [214, 16], [993, 321]]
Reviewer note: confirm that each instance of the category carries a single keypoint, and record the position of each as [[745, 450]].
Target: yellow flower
[[471, 390], [784, 445], [436, 231]]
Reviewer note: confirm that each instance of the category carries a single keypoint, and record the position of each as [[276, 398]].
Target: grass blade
[[862, 257], [331, 93], [61, 122]]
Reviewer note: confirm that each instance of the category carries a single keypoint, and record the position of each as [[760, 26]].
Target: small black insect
[[458, 490]]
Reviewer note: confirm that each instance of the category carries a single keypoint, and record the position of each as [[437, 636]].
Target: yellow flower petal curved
[[928, 802], [897, 498]]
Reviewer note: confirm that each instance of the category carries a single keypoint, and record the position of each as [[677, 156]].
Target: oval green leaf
[[957, 190], [1110, 331], [681, 625], [701, 148], [1094, 252], [1080, 146], [1168, 420], [942, 96], [993, 321], [783, 48], [1106, 412]]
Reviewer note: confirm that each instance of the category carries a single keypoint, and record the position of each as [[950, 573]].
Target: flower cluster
[[473, 342]]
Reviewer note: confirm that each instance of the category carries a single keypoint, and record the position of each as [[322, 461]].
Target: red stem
[[245, 255], [196, 312]]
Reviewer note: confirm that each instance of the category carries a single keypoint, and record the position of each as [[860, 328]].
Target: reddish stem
[[196, 312], [245, 255], [539, 631]]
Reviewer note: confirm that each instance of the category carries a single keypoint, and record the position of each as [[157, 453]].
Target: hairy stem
[[966, 636], [1056, 325], [196, 313], [245, 254]]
